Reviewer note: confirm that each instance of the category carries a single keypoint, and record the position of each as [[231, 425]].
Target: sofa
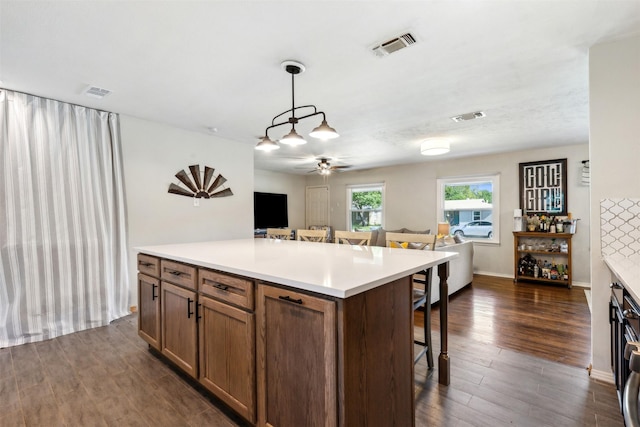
[[460, 268]]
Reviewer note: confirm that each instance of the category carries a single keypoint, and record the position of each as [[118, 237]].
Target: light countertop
[[627, 271], [336, 270]]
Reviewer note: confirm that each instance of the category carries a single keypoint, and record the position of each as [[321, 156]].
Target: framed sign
[[543, 187]]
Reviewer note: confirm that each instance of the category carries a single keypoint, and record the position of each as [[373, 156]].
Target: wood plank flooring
[[510, 366]]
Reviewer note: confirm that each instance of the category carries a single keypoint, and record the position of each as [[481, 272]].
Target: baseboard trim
[[604, 376], [581, 284], [491, 273], [510, 276]]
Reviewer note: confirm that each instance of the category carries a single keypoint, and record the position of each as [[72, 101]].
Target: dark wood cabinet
[[299, 359], [149, 310], [179, 327], [227, 355], [297, 363], [149, 300], [624, 320]]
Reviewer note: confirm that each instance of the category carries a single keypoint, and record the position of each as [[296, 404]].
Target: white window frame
[[495, 201], [363, 187]]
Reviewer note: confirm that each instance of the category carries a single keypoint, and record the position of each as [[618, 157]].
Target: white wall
[[410, 200], [292, 185], [614, 95], [153, 153]]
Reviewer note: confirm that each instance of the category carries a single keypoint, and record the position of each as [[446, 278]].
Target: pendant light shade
[[266, 144], [293, 138], [324, 131], [434, 147]]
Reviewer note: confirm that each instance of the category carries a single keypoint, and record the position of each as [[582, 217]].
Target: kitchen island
[[291, 333]]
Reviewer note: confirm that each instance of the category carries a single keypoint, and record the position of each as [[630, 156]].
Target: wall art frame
[[543, 187]]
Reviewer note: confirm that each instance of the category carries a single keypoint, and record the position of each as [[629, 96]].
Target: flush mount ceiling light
[[434, 147], [323, 131]]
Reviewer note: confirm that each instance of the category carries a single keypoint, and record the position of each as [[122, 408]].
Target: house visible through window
[[365, 204], [470, 206]]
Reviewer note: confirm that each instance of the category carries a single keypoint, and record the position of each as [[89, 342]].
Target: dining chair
[[279, 233], [360, 238], [421, 287], [311, 235]]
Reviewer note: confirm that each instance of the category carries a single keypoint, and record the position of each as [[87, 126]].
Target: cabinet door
[[227, 355], [149, 310], [296, 359], [179, 327]]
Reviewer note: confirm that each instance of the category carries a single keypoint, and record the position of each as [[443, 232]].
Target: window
[[365, 207], [471, 206]]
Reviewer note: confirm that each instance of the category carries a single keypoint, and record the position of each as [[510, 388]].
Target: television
[[269, 210]]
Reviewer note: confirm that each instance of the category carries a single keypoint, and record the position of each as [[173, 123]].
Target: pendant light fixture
[[323, 131]]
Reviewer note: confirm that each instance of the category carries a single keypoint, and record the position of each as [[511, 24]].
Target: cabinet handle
[[153, 292], [221, 287], [615, 285], [288, 298], [145, 264], [189, 311], [175, 273], [630, 314], [198, 315]]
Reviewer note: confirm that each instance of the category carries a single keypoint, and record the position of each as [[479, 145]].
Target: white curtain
[[63, 257]]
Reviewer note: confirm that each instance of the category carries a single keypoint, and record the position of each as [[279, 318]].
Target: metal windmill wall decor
[[198, 184]]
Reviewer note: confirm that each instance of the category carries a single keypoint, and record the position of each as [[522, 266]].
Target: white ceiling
[[216, 64]]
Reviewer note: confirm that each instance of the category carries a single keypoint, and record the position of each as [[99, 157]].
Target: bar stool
[[421, 296]]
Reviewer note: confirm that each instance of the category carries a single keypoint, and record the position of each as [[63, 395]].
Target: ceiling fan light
[[267, 144], [434, 147], [324, 131], [293, 138]]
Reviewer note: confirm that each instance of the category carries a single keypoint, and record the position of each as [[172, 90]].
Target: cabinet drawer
[[179, 274], [232, 289], [149, 265]]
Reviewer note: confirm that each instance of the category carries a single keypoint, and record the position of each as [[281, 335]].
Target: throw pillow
[[401, 245]]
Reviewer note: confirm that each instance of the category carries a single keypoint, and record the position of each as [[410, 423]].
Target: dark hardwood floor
[[537, 319], [510, 355]]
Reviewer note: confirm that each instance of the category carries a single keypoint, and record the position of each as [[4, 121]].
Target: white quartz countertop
[[627, 271], [326, 268]]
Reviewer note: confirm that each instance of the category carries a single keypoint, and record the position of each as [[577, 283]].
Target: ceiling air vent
[[468, 116], [394, 45], [96, 92]]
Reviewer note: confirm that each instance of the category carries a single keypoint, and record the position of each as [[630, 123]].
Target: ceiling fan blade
[[184, 178]]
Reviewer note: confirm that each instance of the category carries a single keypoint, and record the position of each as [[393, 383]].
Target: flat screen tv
[[269, 210]]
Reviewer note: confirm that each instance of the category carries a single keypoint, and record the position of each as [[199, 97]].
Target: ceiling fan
[[325, 168]]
